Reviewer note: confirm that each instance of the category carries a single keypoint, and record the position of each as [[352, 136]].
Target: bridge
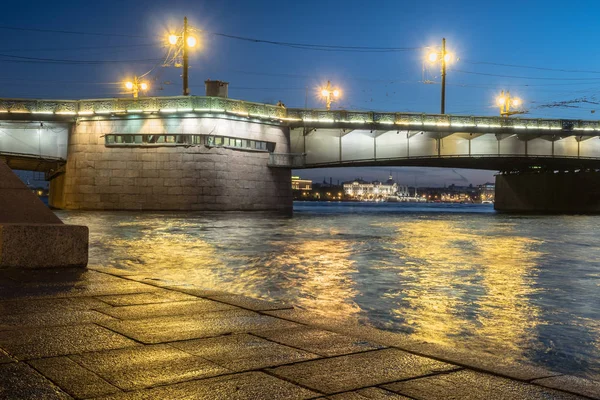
[[74, 136]]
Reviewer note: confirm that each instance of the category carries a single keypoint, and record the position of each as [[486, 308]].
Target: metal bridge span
[[34, 134]]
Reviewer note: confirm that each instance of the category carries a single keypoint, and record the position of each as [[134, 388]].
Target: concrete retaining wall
[[98, 177], [549, 192]]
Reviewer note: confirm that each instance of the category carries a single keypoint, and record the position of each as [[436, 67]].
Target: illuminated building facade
[[375, 190], [301, 184]]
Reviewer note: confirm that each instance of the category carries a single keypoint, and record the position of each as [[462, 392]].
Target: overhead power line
[[12, 58], [525, 77], [320, 47], [23, 50], [581, 71], [306, 46], [16, 28]]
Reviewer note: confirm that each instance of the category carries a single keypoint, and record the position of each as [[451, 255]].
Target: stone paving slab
[[20, 321], [42, 291], [147, 366], [184, 327], [62, 340], [245, 386], [67, 304], [198, 306], [487, 362], [585, 387], [243, 352], [74, 379], [319, 341], [355, 371], [157, 296], [368, 394], [4, 358], [18, 381], [250, 303], [195, 291], [471, 385]]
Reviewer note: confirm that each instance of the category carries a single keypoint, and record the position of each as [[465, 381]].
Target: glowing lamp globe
[[191, 41]]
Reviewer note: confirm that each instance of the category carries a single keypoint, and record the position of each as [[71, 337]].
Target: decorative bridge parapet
[[292, 117], [167, 105]]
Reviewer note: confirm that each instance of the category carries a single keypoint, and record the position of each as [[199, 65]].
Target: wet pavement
[[107, 334]]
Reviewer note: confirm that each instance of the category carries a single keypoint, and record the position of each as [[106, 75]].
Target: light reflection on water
[[522, 287]]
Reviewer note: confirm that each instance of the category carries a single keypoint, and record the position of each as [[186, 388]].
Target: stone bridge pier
[[548, 192], [173, 163]]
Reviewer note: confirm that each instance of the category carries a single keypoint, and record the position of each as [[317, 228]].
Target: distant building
[[360, 189], [301, 184], [487, 192]]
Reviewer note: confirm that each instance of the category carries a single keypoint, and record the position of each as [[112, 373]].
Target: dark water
[[524, 287]]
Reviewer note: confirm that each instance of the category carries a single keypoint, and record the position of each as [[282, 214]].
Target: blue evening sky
[[546, 35]]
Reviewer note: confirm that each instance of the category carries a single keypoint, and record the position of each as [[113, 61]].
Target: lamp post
[[183, 43], [136, 86], [444, 57], [329, 94], [504, 101]]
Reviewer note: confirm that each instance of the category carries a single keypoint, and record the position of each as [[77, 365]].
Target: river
[[524, 287]]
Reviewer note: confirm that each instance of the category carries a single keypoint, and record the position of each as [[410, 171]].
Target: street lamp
[[330, 94], [505, 102], [444, 57], [136, 86], [181, 44]]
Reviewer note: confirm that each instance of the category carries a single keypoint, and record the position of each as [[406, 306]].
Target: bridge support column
[[548, 192]]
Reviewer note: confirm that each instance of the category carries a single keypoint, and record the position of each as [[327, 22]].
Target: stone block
[[149, 173], [19, 382], [250, 385], [43, 245], [360, 370], [117, 165], [86, 189], [176, 190], [573, 384], [172, 182], [61, 340], [184, 327], [243, 352], [319, 341], [73, 378], [132, 173], [473, 385], [166, 309], [147, 366]]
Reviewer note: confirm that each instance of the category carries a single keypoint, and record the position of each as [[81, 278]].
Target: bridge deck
[[340, 137]]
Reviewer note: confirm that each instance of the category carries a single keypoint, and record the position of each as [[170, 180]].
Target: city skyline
[[411, 176]]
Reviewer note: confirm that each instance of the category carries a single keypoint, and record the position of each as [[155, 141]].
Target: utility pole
[[443, 76], [186, 89]]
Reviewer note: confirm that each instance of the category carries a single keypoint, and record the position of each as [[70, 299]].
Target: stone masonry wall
[[196, 177]]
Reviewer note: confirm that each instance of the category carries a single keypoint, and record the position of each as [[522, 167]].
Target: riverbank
[[112, 334]]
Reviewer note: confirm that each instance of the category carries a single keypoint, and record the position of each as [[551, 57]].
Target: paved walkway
[[89, 334]]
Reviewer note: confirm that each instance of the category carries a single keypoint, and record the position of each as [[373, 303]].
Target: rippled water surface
[[524, 287]]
